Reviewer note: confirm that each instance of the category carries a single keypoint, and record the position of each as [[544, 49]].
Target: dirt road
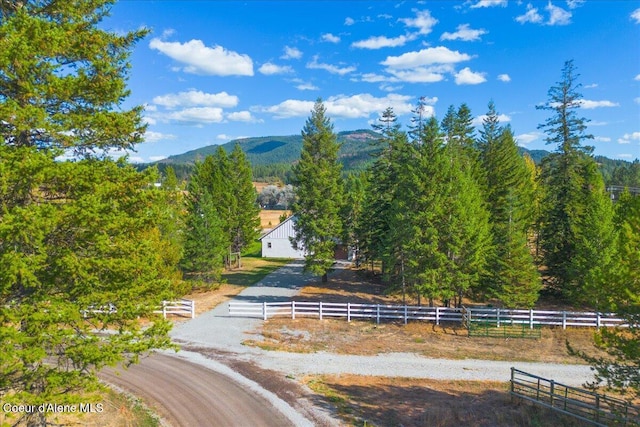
[[187, 394]]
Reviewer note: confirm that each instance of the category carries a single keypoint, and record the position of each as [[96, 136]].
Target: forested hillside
[[271, 157]]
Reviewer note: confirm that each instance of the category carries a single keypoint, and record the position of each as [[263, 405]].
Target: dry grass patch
[[407, 402], [449, 341], [271, 218], [445, 341]]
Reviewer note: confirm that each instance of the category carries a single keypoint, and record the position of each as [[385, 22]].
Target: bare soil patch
[[366, 401]]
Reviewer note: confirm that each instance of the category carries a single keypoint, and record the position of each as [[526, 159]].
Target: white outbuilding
[[276, 243]]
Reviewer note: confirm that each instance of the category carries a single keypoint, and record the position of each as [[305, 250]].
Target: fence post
[[512, 378], [552, 390], [164, 309], [377, 314], [437, 315], [405, 314], [348, 312], [531, 318], [264, 310], [320, 310], [564, 320], [498, 316], [193, 309], [293, 310], [598, 320]]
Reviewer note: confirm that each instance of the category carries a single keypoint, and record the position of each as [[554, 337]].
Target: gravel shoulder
[[216, 330]]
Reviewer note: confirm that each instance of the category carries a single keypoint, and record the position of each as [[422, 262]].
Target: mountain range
[[272, 156]]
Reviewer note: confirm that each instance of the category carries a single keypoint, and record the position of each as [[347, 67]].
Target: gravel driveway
[[216, 330]]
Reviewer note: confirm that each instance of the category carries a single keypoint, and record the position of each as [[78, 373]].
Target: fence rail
[[586, 405], [181, 307], [378, 312]]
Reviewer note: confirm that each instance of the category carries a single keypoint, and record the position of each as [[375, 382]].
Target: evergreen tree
[[620, 370], [206, 238], [319, 191], [512, 275], [572, 193], [63, 79], [246, 216], [353, 210], [374, 226], [75, 237]]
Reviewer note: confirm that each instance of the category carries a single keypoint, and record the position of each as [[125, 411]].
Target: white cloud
[[589, 105], [532, 16], [575, 3], [527, 138], [197, 115], [151, 136], [333, 69], [328, 37], [635, 15], [374, 78], [157, 158], [135, 159], [269, 69], [636, 100], [223, 137], [388, 88], [419, 74], [423, 21], [290, 108], [307, 86], [464, 33], [149, 120], [490, 3], [602, 139], [382, 41], [637, 78], [504, 78], [557, 15], [428, 56], [291, 53], [468, 77], [625, 156], [241, 116], [196, 98], [628, 138], [354, 106], [200, 59], [591, 86], [349, 21]]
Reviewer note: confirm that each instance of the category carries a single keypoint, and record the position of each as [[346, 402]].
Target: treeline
[[218, 215], [450, 214]]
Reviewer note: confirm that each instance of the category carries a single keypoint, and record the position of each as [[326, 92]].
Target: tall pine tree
[[73, 235], [573, 193], [512, 275], [319, 191], [246, 215]]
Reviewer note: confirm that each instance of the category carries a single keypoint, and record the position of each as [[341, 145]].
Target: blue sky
[[213, 71]]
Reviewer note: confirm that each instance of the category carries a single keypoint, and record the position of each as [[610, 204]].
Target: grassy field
[[370, 401]]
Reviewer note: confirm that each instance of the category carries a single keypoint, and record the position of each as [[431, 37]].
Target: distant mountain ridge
[[273, 156], [356, 146]]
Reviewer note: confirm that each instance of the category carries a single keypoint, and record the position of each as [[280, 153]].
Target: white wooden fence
[[181, 307], [377, 312]]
